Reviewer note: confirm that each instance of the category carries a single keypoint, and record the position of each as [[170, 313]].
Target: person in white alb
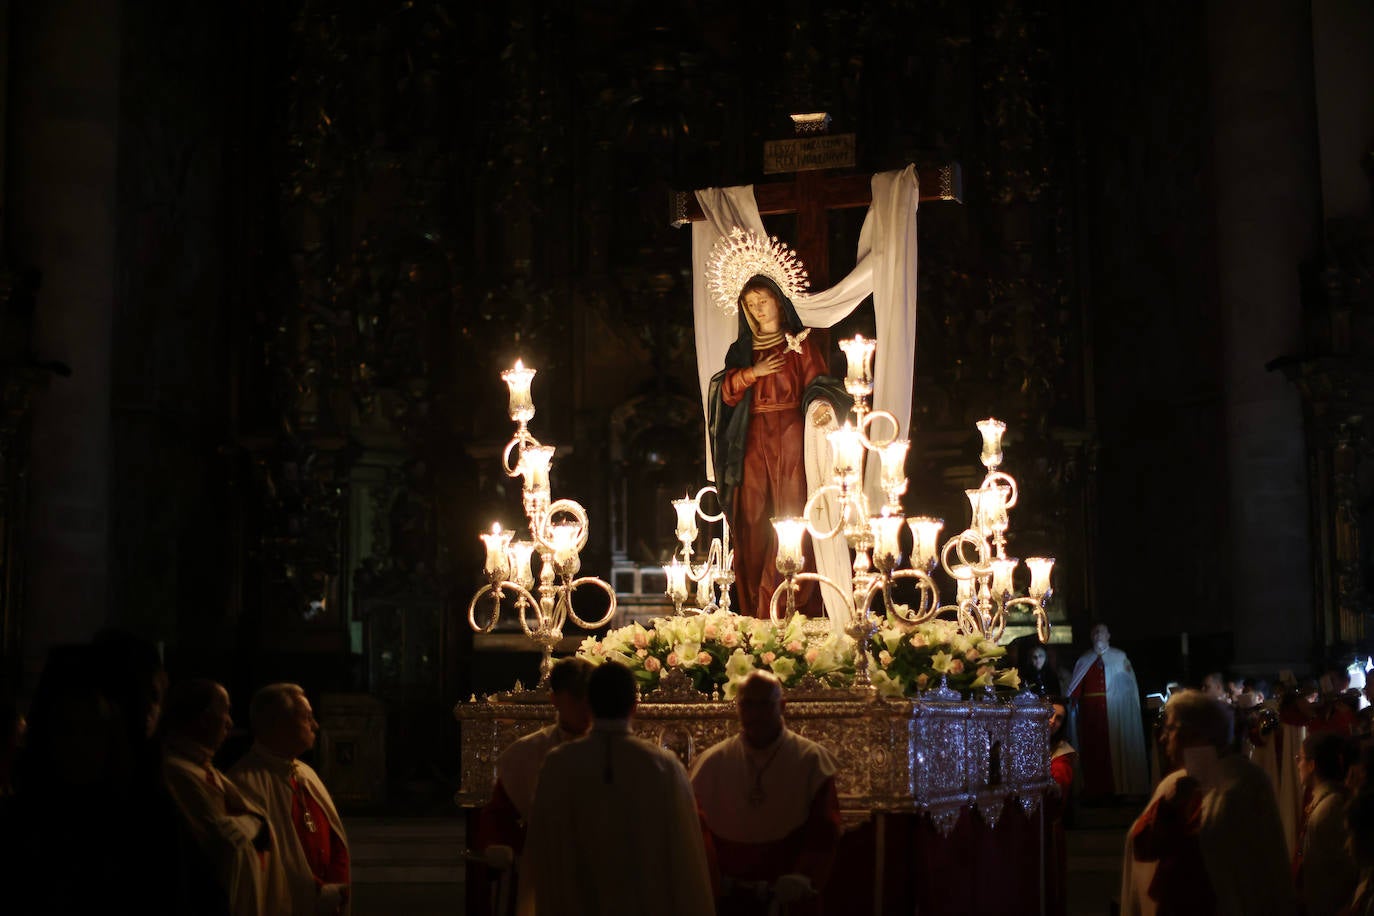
[[501, 822], [232, 831], [614, 828], [517, 769], [1111, 737], [313, 847]]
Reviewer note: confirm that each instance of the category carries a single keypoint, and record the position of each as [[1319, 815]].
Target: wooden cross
[[812, 194]]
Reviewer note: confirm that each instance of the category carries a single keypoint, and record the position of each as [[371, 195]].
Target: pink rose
[[971, 655], [710, 632], [641, 640], [956, 666], [794, 647], [731, 639], [703, 658], [641, 652], [673, 660], [598, 649], [811, 656], [652, 663], [918, 640], [768, 658], [922, 680], [884, 658]]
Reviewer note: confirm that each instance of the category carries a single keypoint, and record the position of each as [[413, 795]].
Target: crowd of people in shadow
[[111, 799], [1263, 801]]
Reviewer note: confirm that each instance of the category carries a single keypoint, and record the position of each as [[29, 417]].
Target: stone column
[[61, 189], [1265, 190]]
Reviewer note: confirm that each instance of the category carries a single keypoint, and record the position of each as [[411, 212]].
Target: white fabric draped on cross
[[885, 267]]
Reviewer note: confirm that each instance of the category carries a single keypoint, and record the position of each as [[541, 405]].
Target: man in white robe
[[517, 769], [614, 828], [502, 820], [1110, 734], [1210, 840], [767, 797], [232, 831], [312, 844]]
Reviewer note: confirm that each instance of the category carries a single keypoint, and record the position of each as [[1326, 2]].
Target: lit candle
[[677, 581], [992, 441], [498, 564], [563, 538], [848, 447], [520, 553], [964, 587], [925, 536], [1002, 570], [887, 548], [686, 519], [995, 507], [1040, 568], [894, 467], [518, 380], [859, 353], [979, 518], [790, 531], [535, 462]]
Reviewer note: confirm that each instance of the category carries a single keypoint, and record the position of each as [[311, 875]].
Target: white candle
[[1002, 570], [848, 448], [995, 507], [677, 581], [563, 538], [1040, 568], [535, 462], [859, 353], [686, 519], [894, 466], [992, 441], [979, 519], [886, 531], [518, 380], [789, 531], [925, 535], [520, 553], [497, 565]]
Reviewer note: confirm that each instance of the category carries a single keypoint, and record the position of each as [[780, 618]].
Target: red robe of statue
[[774, 479]]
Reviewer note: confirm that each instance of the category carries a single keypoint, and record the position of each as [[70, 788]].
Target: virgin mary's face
[[763, 308]]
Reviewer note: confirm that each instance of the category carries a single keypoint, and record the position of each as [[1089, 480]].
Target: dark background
[[285, 249]]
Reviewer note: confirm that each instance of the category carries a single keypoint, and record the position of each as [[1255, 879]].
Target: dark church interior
[[263, 264]]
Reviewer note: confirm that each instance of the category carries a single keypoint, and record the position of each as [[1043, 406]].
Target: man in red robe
[[312, 844], [1111, 741], [768, 804]]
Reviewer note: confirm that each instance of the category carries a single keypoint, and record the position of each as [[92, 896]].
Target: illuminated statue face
[[1038, 658], [763, 308]]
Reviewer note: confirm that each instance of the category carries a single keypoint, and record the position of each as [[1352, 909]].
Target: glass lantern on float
[[975, 559], [557, 533], [714, 575]]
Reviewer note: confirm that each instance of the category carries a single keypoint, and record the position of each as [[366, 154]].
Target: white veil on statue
[[886, 268]]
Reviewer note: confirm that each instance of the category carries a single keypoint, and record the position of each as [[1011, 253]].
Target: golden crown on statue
[[742, 255]]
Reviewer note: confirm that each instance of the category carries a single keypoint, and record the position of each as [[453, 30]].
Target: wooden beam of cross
[[812, 194]]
